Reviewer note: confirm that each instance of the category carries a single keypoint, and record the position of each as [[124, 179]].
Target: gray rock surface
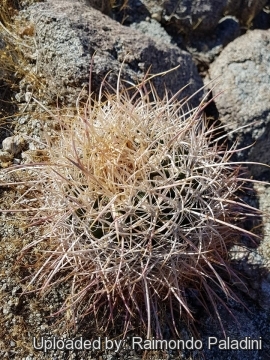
[[251, 322], [262, 20], [101, 5], [263, 192], [203, 15], [13, 144], [195, 16], [68, 34], [153, 29], [201, 19], [245, 10], [207, 47], [5, 156], [243, 73]]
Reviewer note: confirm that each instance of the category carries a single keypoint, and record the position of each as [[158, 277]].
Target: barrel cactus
[[137, 207]]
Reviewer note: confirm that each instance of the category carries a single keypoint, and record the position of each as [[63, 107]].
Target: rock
[[136, 11], [155, 7], [153, 29], [70, 33], [242, 72], [5, 156], [13, 144], [189, 17], [206, 48], [263, 192], [105, 6], [200, 16], [252, 265], [246, 321], [245, 10], [262, 20]]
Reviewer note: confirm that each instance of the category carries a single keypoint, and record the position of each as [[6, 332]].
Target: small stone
[[157, 16], [5, 156], [5, 165], [6, 310], [13, 144], [16, 161]]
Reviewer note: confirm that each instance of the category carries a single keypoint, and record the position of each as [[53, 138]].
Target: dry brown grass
[[123, 4], [16, 45]]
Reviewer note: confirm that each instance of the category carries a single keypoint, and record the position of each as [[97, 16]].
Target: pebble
[[13, 144], [5, 156]]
